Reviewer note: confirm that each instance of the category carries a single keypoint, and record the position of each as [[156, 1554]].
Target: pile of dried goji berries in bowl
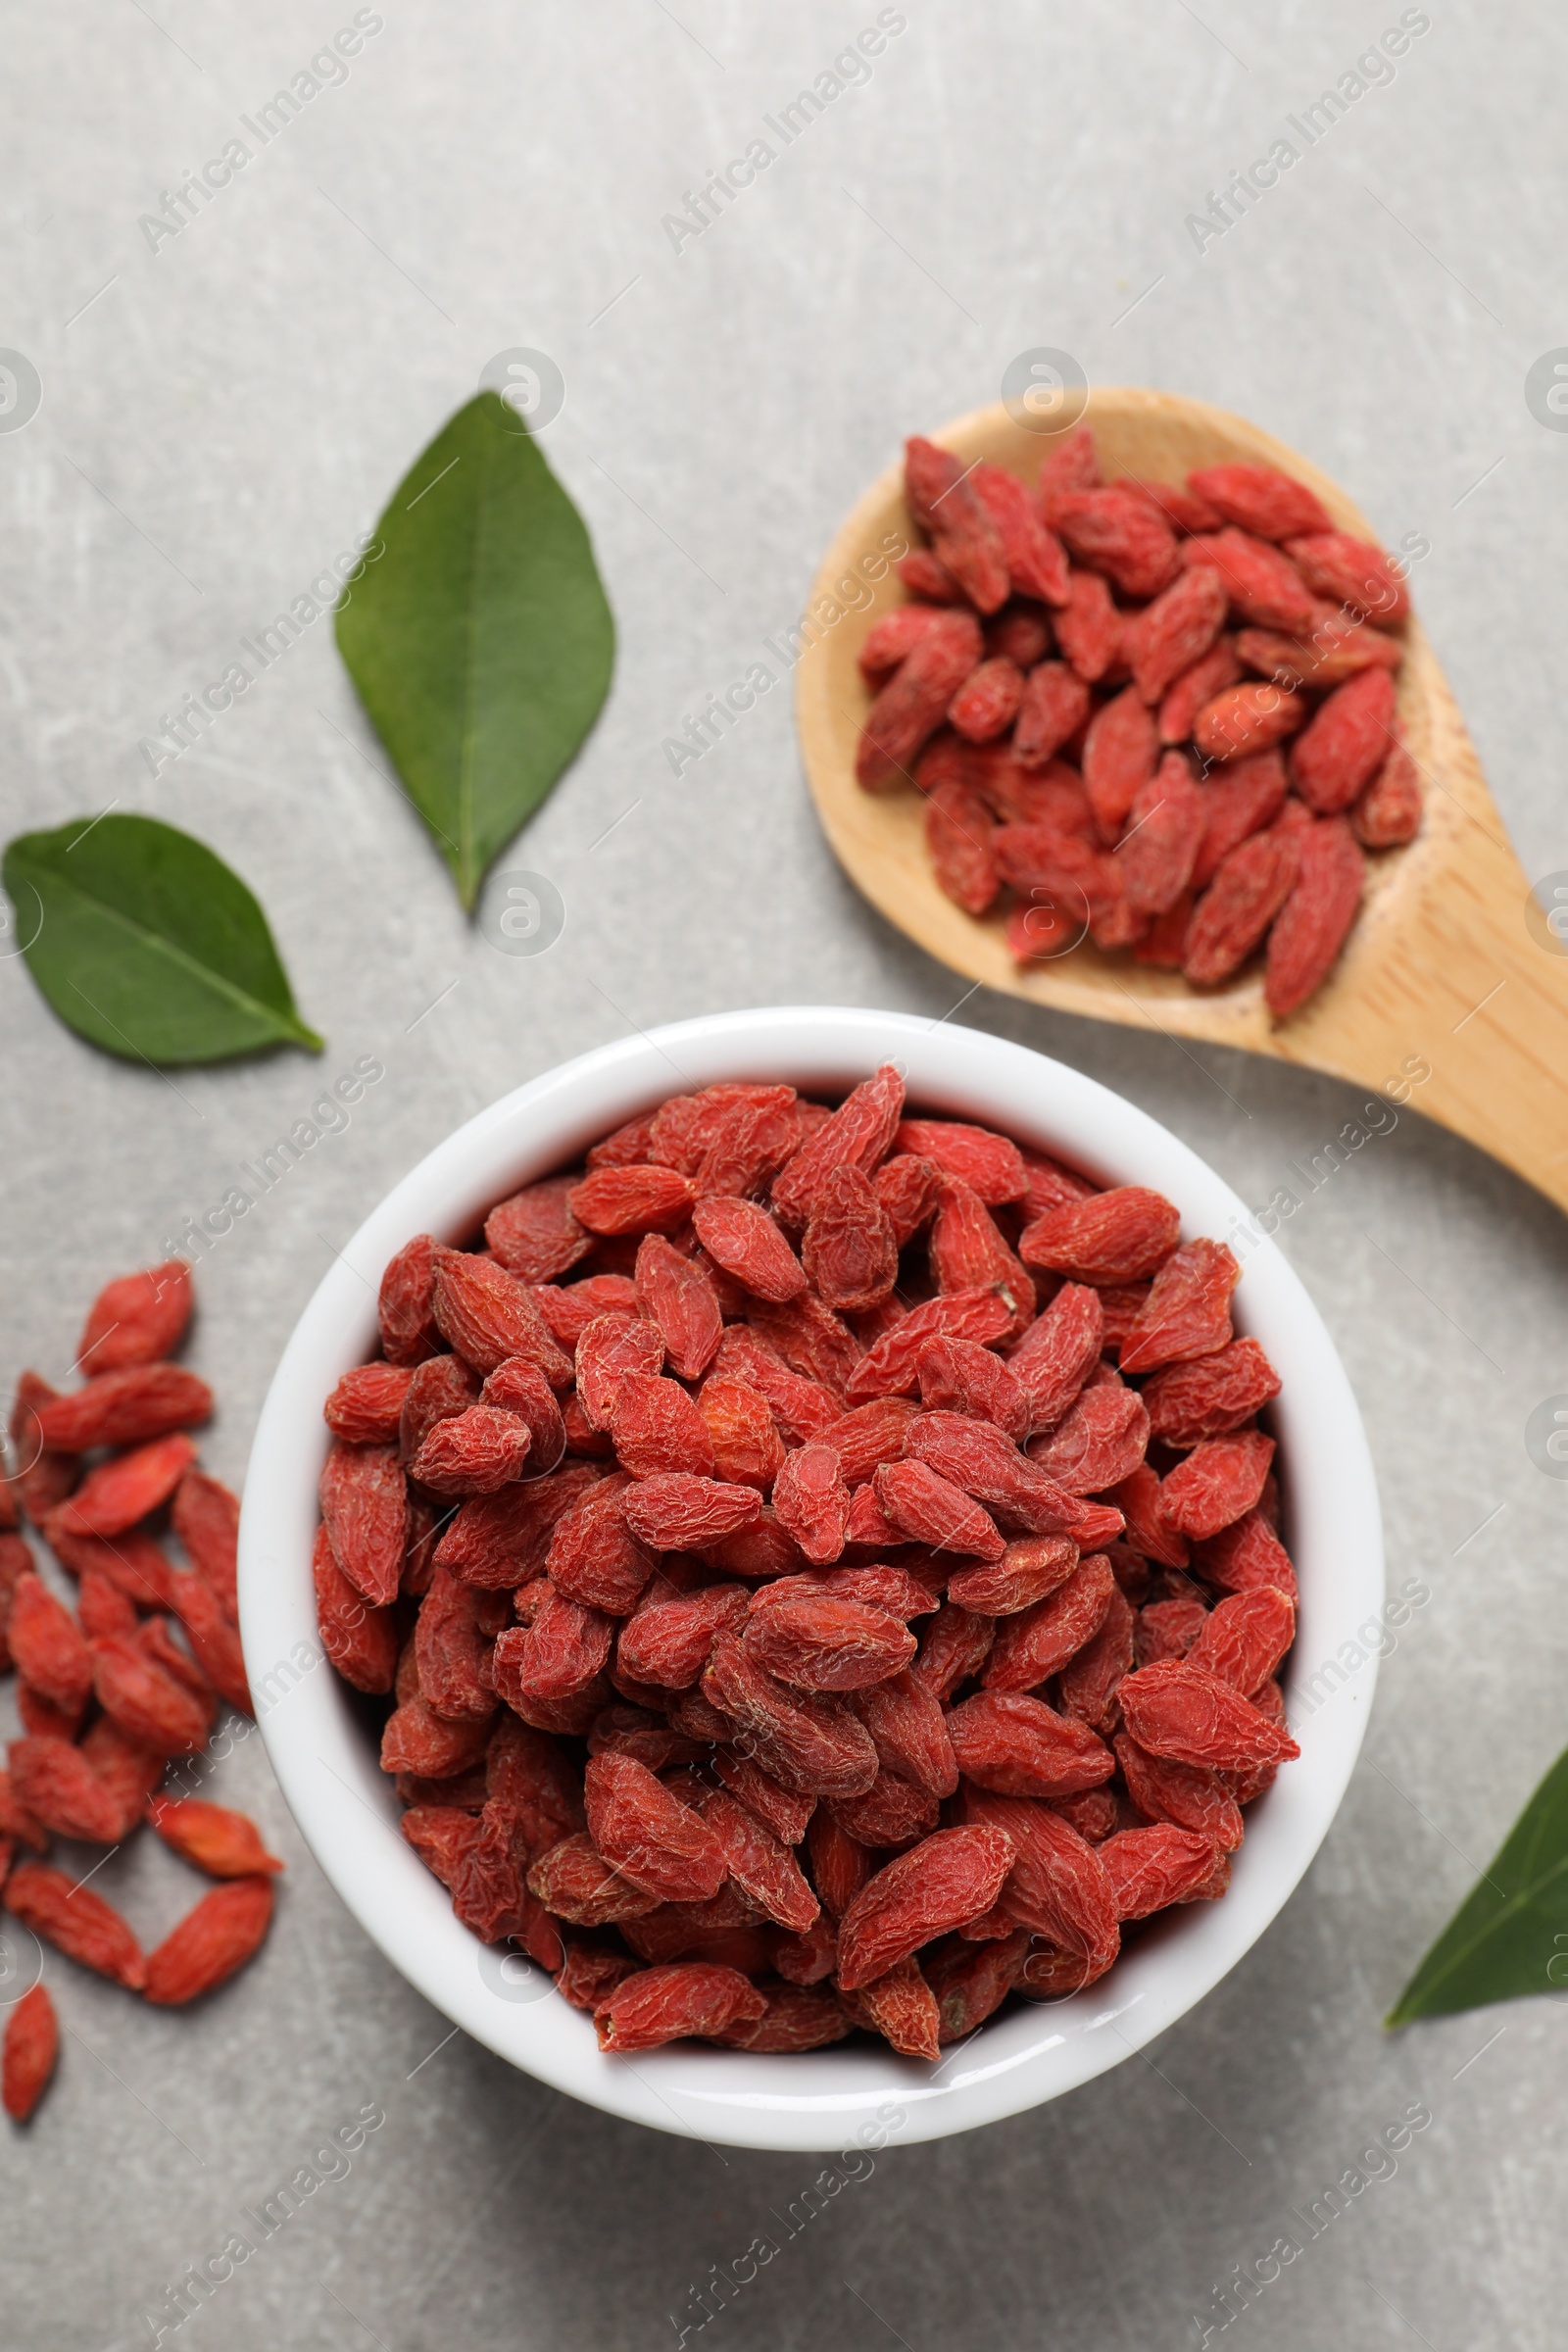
[[817, 1566]]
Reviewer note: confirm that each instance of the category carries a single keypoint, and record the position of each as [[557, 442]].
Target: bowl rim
[[327, 1765]]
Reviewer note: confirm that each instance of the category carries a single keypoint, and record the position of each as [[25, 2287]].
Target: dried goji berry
[[438, 1390], [1100, 1440], [129, 1771], [1344, 743], [858, 1134], [901, 2007], [58, 1786], [1263, 586], [808, 1742], [1174, 631], [1247, 1557], [1164, 826], [499, 1541], [1037, 565], [124, 1408], [1138, 1497], [894, 636], [1211, 1396], [46, 1645], [968, 1252], [1239, 801], [946, 1879], [118, 1492], [987, 702], [416, 1738], [747, 1449], [1018, 1746], [1187, 1313], [1245, 1636], [957, 1376], [1244, 721], [1120, 752], [1178, 1711], [679, 1511], [31, 2046], [1167, 1629], [932, 1509], [147, 1701], [225, 1844], [795, 2019], [364, 1507], [945, 499], [660, 1844], [1151, 1868], [364, 1407], [632, 1200], [1091, 1682], [1351, 571], [981, 1462], [1057, 1885], [1118, 532], [1220, 1479], [1251, 885], [77, 1921], [473, 1452], [849, 1251], [610, 1347], [488, 1315], [1388, 810], [534, 1234], [811, 1501], [1189, 1795], [212, 1637], [686, 1997], [891, 1367], [568, 1311], [360, 1641], [746, 1242], [136, 1319], [1038, 1642], [1261, 500], [1118, 1235], [1031, 1567], [916, 700], [1054, 706], [407, 1305], [214, 1939]]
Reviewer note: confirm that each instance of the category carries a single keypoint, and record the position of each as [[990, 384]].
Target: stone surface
[[219, 418]]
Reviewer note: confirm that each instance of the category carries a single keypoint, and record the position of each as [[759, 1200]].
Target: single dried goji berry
[[957, 1376], [610, 1347], [534, 1234], [686, 1997], [225, 1844], [149, 1704], [1252, 883], [129, 1771], [987, 702], [212, 1637], [46, 1645], [77, 1921], [811, 1501], [407, 1304], [416, 1738], [915, 699], [1245, 1636], [1031, 1567], [1178, 1711], [364, 1407], [1388, 810], [1211, 1396], [473, 1452], [969, 1982], [827, 1642], [1344, 743], [438, 1390], [58, 1786], [1187, 1313], [1263, 586], [1090, 1682], [1220, 1479], [657, 1427], [1115, 1237], [31, 2046], [1061, 1348], [1189, 1795], [945, 501], [124, 1408], [760, 1862], [1038, 1642], [574, 1881], [1118, 532], [1138, 1497], [488, 1315], [118, 1492], [946, 1879], [901, 2007], [1165, 824], [932, 1509], [213, 1940], [811, 1743], [892, 1365], [1019, 1746], [795, 2019], [360, 1641], [858, 1134], [520, 1389], [1239, 801], [1261, 500], [894, 636], [1057, 1885], [679, 1511], [364, 1506], [1174, 631], [746, 1242], [136, 1319], [968, 1252], [1183, 508], [1100, 1440], [849, 1251], [747, 1448], [1054, 706], [1244, 721], [1151, 1868], [641, 1830], [1037, 562], [1120, 752], [783, 1810], [924, 574], [632, 1200], [1351, 571], [1246, 1557]]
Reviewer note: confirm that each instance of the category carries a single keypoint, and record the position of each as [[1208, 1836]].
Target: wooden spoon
[[1450, 965]]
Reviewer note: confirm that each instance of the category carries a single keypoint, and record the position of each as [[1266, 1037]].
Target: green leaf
[[1510, 1935], [147, 944], [480, 640]]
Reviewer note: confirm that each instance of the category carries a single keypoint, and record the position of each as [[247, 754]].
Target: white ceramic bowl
[[326, 1758]]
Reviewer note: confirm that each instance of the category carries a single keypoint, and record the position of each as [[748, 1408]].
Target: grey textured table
[[223, 409]]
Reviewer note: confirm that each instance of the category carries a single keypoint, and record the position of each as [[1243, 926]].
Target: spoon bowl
[[1450, 968]]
